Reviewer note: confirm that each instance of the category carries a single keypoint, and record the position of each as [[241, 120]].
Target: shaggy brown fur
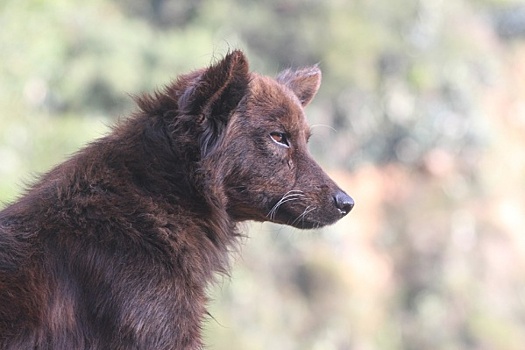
[[113, 248]]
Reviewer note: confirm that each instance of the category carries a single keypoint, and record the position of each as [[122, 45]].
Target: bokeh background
[[420, 117]]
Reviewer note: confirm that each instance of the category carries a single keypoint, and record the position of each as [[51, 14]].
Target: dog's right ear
[[303, 82], [214, 94]]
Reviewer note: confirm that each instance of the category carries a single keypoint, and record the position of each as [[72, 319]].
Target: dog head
[[253, 142]]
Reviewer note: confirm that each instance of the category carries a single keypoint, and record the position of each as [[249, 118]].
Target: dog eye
[[280, 138]]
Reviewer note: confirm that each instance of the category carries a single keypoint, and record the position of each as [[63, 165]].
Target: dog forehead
[[277, 102]]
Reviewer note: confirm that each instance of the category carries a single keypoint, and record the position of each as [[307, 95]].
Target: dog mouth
[[309, 218], [293, 209]]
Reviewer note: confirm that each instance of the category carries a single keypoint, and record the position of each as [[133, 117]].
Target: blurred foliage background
[[421, 118]]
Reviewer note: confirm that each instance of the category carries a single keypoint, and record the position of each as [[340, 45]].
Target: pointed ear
[[303, 82], [218, 89], [213, 95]]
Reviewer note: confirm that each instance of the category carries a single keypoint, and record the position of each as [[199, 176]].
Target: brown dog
[[113, 248]]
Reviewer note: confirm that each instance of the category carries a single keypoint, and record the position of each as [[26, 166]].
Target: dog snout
[[343, 202]]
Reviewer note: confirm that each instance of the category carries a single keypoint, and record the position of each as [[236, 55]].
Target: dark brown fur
[[113, 248]]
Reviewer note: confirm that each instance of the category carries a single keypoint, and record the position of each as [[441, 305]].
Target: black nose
[[343, 202]]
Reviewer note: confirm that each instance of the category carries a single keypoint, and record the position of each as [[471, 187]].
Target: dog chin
[[306, 222], [311, 224]]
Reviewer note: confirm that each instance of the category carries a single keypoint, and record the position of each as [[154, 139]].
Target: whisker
[[283, 200], [305, 212], [323, 125], [287, 197]]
